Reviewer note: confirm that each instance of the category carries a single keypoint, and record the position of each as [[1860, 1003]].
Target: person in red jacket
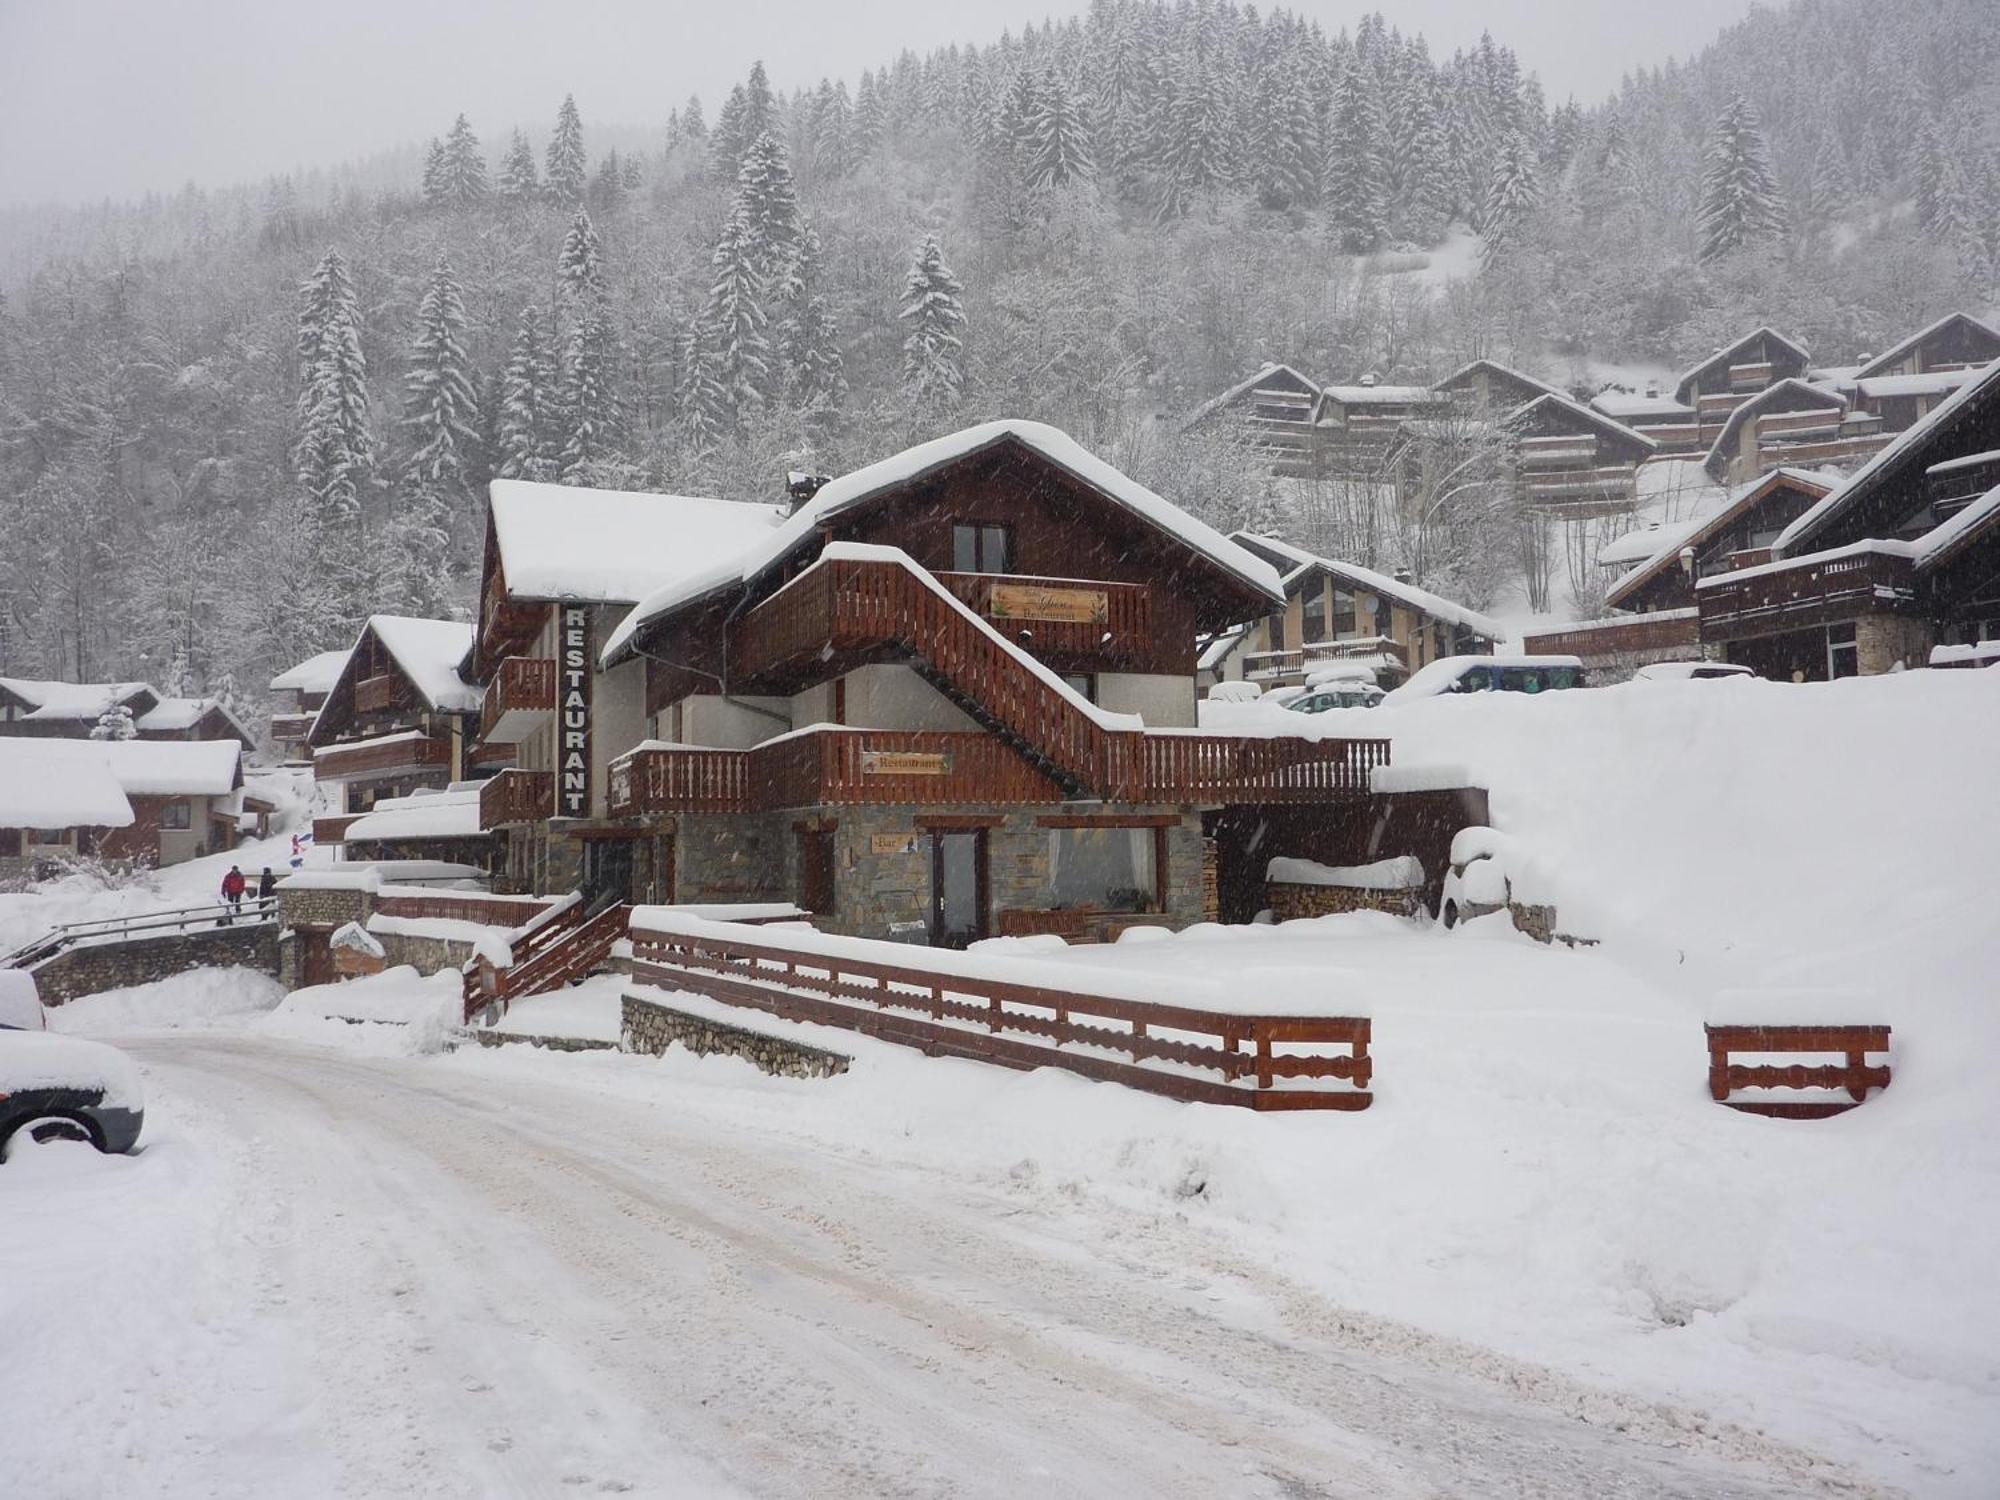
[[232, 892]]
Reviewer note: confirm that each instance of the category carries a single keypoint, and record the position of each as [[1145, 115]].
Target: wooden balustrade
[[379, 694], [465, 906], [390, 755], [523, 689], [517, 796], [1676, 631], [1121, 631], [1853, 1074], [1832, 450], [1810, 591], [1184, 768], [1258, 1061]]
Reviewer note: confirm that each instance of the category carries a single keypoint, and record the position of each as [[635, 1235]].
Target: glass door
[[958, 888]]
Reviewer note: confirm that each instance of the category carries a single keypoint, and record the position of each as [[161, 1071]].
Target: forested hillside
[[234, 421]]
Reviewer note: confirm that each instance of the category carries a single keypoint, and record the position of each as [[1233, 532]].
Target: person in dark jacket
[[232, 892], [267, 885]]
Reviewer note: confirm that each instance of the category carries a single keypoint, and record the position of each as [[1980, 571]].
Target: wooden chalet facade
[[297, 694], [1672, 426], [398, 718], [1733, 374], [1357, 426], [1338, 612], [1901, 557], [949, 696], [1487, 385], [1573, 461], [1274, 409], [1792, 423], [30, 707]]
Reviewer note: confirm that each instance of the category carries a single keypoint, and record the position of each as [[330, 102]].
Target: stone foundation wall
[[312, 907], [732, 857], [1884, 642], [426, 955], [111, 966], [651, 1028], [1288, 900]]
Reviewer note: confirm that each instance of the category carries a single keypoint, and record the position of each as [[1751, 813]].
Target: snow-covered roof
[[1380, 395], [1243, 387], [316, 674], [1808, 396], [851, 490], [1625, 405], [1728, 351], [1901, 350], [1928, 383], [1668, 540], [1493, 366], [1965, 461], [51, 783], [1435, 605], [172, 768], [429, 651], [1582, 413], [1946, 537], [1649, 541], [84, 701], [452, 814], [613, 546], [173, 715], [1220, 647], [1887, 458]]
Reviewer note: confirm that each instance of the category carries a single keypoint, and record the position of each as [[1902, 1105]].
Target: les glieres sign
[[573, 716]]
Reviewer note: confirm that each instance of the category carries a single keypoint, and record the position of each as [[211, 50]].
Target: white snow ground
[[1542, 1264]]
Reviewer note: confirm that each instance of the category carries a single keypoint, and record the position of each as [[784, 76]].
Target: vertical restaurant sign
[[573, 719]]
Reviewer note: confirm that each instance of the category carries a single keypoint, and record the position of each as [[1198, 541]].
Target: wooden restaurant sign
[[904, 763], [1032, 601]]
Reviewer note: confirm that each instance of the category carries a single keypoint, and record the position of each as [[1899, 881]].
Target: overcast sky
[[114, 97]]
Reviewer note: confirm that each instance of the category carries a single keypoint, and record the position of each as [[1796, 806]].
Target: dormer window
[[981, 548]]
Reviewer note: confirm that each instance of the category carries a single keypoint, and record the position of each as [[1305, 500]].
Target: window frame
[[176, 815], [983, 536]]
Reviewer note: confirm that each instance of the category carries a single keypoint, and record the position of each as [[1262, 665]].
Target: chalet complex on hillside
[[73, 710], [947, 696]]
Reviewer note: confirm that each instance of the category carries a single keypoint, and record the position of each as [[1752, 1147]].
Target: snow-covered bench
[[1855, 1074]]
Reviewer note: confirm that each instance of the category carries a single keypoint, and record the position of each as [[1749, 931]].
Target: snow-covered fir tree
[[767, 203], [436, 170], [587, 410], [933, 314], [1512, 195], [518, 181], [736, 346], [335, 452], [525, 436], [464, 166], [115, 723], [1739, 197], [440, 412], [567, 175], [1355, 195], [809, 336]]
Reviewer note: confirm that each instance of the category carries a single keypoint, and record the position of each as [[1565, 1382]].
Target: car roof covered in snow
[[56, 783], [1437, 676], [564, 542]]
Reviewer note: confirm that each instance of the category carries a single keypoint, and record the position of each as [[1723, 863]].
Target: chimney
[[802, 487], [1652, 390], [1403, 575], [1368, 379]]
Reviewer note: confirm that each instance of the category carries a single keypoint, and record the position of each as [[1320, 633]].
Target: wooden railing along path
[[170, 922], [563, 943], [950, 1010], [1853, 1073]]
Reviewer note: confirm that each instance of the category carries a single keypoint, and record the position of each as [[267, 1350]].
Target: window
[[1105, 869], [176, 815], [10, 843], [1312, 613], [1343, 615], [980, 548], [1083, 684]]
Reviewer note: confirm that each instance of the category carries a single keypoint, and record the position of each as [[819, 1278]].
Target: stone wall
[[1289, 900], [141, 960], [730, 857], [322, 906], [1884, 642], [651, 1027]]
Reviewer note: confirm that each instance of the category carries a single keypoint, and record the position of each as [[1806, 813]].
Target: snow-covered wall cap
[[1441, 777], [851, 490], [565, 542]]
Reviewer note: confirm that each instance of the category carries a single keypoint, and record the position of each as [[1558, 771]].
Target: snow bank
[[201, 999], [422, 1009], [1401, 873]]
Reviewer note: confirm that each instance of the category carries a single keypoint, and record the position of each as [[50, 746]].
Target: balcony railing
[[1833, 450], [516, 796], [521, 695], [374, 695], [291, 726], [844, 767], [389, 755], [1665, 632], [1812, 591], [1062, 616]]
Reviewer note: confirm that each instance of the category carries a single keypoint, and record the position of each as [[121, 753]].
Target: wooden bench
[[1855, 1074]]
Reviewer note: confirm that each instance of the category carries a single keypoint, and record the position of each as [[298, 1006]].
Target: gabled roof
[[84, 702], [1923, 383], [1297, 562], [1905, 448], [1791, 389], [1728, 351], [59, 783], [1610, 426], [1958, 531], [316, 674], [1671, 540], [173, 768], [1901, 350], [1379, 395], [1625, 405], [1465, 372], [1258, 381], [912, 466], [426, 652], [563, 542], [172, 715]]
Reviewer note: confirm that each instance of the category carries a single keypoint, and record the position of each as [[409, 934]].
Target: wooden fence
[[1182, 1052]]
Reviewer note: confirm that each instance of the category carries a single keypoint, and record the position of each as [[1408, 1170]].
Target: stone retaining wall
[[141, 960], [651, 1027]]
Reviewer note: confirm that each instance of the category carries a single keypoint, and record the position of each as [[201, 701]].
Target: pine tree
[[464, 166], [440, 412], [832, 121], [1512, 195], [1356, 197], [733, 323], [1056, 138], [435, 168], [864, 131], [701, 404], [934, 318], [1196, 150], [748, 112], [527, 396], [115, 723], [768, 205], [1739, 199], [518, 182], [580, 262], [1285, 150], [587, 413], [607, 188], [335, 455], [568, 167], [809, 336]]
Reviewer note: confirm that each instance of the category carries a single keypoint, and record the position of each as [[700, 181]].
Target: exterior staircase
[[566, 943]]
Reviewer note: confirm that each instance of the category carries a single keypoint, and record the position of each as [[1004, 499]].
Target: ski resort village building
[[73, 710], [947, 696], [148, 802], [296, 697]]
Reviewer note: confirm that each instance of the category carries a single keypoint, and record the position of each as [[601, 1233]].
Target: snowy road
[[448, 1278]]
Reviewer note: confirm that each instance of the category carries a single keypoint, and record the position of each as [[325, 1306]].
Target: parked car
[[63, 1088], [1690, 671], [1490, 674], [1348, 694], [1478, 881]]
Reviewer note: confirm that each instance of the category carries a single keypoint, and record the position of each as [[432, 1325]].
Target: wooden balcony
[[332, 830], [389, 755], [516, 796], [286, 727], [1218, 769], [1752, 377], [520, 697], [1813, 591], [1818, 419], [1662, 635], [380, 694], [1062, 617], [1835, 450]]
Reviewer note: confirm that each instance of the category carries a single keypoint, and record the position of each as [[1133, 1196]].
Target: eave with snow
[[1760, 358], [1490, 384], [152, 802]]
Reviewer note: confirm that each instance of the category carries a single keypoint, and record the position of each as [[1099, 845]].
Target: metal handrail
[[252, 911]]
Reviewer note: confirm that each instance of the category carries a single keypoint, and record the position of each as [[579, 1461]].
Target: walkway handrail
[[69, 935]]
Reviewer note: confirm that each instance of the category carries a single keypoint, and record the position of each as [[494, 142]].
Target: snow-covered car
[[1478, 881], [1345, 694], [1690, 671], [1236, 691], [20, 1002], [1490, 674], [63, 1088]]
